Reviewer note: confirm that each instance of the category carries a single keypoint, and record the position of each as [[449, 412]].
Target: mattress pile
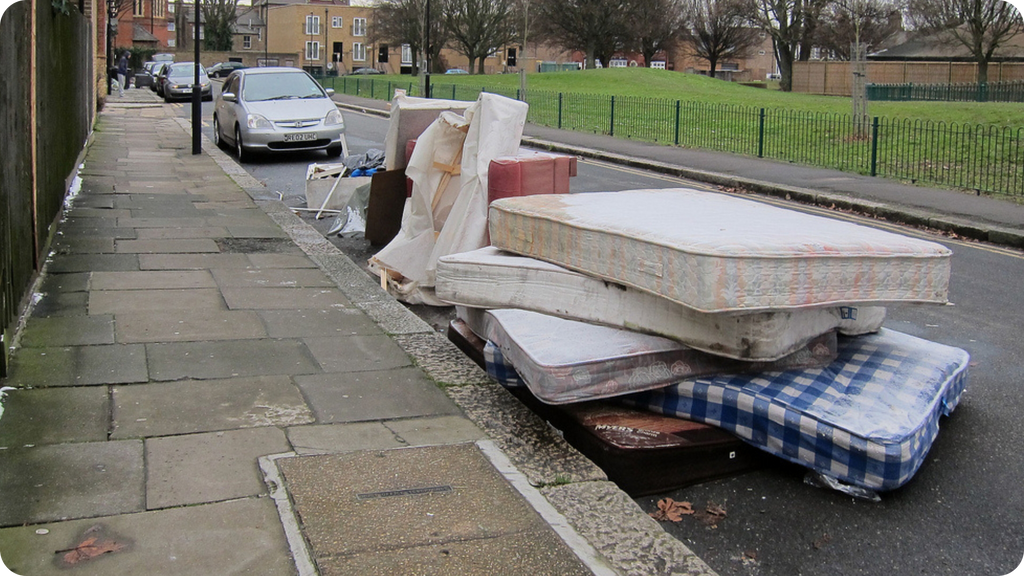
[[762, 321]]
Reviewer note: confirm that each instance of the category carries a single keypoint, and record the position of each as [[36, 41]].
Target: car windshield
[[186, 69], [280, 86]]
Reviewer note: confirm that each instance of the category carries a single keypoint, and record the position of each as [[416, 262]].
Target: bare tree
[[717, 30], [980, 25], [218, 18], [594, 27], [783, 20], [857, 22], [479, 27], [400, 22], [654, 26]]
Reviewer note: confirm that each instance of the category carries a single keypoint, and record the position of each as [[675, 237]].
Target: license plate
[[300, 137]]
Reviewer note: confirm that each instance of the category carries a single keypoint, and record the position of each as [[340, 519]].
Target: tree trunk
[[712, 66], [784, 56], [982, 71]]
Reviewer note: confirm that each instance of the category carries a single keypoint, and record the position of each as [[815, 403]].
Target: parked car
[[179, 78], [456, 71], [159, 77], [222, 69], [147, 75], [276, 109], [364, 72]]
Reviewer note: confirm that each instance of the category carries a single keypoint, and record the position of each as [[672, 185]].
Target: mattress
[[529, 173], [562, 361], [868, 419], [490, 278], [718, 253]]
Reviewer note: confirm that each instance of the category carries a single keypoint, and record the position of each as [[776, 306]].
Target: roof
[[140, 34], [944, 48]]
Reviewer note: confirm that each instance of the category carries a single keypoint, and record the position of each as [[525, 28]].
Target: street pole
[[426, 72], [266, 33], [197, 92]]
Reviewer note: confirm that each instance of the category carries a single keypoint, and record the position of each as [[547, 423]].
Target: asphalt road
[[962, 514]]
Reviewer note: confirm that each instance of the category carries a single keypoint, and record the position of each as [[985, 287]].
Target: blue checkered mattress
[[868, 419]]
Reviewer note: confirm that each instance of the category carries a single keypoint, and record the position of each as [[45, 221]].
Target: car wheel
[[243, 156], [334, 151], [167, 97], [218, 138]]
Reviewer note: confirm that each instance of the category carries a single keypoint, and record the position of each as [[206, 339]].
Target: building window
[[159, 8], [312, 50], [336, 22], [618, 63], [246, 42], [359, 26], [358, 52], [760, 52], [312, 24], [406, 54], [170, 25], [171, 42], [658, 64], [139, 8]]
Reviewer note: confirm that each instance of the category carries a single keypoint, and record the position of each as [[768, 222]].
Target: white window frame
[[406, 54], [658, 64], [618, 63], [337, 22], [312, 51], [359, 27], [159, 8], [246, 42], [171, 42], [312, 25], [358, 52], [139, 8], [170, 25]]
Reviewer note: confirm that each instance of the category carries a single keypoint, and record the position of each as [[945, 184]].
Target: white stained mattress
[[717, 253], [868, 419], [490, 278], [563, 361]]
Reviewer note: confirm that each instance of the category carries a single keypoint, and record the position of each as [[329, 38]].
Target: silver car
[[277, 109], [178, 79]]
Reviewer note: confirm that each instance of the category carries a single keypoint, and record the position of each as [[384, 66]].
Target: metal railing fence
[[984, 158], [1009, 91]]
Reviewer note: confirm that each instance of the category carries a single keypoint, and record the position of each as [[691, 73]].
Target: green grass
[[977, 146]]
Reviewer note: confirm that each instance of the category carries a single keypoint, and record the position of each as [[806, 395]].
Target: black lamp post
[[197, 92], [426, 73]]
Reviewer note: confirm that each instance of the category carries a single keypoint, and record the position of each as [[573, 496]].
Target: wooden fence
[[834, 78]]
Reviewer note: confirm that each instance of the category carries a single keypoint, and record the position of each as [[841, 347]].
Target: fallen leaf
[[90, 548], [821, 542], [715, 510], [671, 511]]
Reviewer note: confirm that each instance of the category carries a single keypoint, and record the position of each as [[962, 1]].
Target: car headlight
[[258, 121], [334, 117]]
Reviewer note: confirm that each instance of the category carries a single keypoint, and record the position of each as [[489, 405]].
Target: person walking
[[122, 72]]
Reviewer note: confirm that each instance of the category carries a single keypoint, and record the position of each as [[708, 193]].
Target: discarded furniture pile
[[673, 335]]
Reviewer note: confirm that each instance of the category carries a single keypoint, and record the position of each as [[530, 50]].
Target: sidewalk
[[966, 215], [206, 385]]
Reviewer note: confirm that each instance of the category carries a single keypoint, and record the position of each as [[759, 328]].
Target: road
[[962, 514]]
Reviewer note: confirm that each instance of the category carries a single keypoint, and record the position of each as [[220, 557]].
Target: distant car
[[364, 71], [276, 109], [179, 78], [222, 69], [147, 76], [456, 71]]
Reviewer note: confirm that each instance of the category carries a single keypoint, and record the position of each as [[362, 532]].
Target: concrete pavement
[[205, 385]]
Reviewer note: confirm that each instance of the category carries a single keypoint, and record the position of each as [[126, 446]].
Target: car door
[[227, 112]]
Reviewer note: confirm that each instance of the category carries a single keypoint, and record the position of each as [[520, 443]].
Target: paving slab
[[73, 244], [357, 353], [437, 430], [284, 298], [78, 366], [210, 467], [280, 261], [72, 282], [378, 395], [271, 278], [62, 264], [61, 304], [188, 325], [168, 246], [191, 261], [306, 323], [334, 438], [54, 415], [65, 481], [228, 359], [151, 280], [389, 501], [119, 301], [193, 406], [68, 331], [173, 233], [237, 538]]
